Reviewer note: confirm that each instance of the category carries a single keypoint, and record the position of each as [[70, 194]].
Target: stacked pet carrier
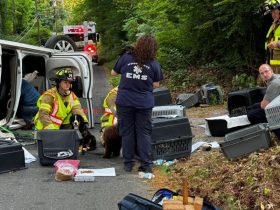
[[171, 133]]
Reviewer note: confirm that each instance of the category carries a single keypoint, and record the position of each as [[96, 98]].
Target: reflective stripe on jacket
[[108, 118], [59, 114], [273, 36]]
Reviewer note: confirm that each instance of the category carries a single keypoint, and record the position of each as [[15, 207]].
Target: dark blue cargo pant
[[256, 114], [135, 128]]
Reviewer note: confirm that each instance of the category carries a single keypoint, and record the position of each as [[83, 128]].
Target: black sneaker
[[145, 170]]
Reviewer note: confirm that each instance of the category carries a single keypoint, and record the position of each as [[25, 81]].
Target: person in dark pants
[[256, 113], [140, 73], [28, 103]]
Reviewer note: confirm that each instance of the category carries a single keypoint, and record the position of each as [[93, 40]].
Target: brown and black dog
[[112, 142], [89, 141]]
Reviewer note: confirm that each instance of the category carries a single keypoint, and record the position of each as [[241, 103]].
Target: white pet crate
[[168, 111], [272, 112]]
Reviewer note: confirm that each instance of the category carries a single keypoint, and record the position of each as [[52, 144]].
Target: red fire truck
[[76, 38]]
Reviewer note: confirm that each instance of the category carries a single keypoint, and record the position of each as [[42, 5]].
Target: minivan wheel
[[62, 43]]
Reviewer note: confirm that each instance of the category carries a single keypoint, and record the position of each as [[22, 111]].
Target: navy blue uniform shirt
[[136, 85]]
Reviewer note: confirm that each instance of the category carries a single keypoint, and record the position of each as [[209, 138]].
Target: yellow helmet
[[269, 5], [64, 74]]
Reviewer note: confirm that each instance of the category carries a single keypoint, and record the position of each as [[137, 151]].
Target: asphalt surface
[[35, 188]]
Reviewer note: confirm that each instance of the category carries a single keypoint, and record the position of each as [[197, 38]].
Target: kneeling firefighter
[[57, 104], [109, 117]]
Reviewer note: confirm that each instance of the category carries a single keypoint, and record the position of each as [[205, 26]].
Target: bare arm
[[156, 84], [113, 73], [264, 103]]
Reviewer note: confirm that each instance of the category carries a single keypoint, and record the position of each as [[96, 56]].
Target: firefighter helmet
[[269, 5], [64, 74]]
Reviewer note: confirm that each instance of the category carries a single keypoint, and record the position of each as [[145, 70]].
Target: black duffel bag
[[135, 202]]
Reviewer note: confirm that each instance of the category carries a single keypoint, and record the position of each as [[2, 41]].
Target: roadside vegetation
[[249, 183], [195, 37], [220, 41]]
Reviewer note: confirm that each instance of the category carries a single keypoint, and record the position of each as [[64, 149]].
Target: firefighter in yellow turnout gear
[[273, 35], [57, 104], [109, 116]]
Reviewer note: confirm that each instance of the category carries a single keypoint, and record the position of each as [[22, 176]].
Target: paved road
[[35, 188]]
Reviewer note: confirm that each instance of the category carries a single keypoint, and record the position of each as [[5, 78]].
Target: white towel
[[231, 122]]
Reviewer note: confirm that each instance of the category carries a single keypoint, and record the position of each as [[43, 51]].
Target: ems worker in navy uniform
[[140, 73]]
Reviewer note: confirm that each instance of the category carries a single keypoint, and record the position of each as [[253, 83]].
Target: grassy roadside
[[249, 183]]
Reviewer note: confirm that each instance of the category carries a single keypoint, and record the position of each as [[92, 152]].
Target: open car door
[[82, 69], [10, 84]]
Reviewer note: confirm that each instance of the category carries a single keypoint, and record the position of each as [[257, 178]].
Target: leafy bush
[[243, 80]]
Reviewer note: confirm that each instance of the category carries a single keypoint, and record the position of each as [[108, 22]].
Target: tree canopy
[[226, 35]]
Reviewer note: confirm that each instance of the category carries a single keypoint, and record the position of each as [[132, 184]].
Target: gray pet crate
[[245, 141], [167, 111], [162, 96], [189, 99], [212, 94], [55, 145]]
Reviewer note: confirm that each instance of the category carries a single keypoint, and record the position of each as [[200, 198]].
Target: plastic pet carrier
[[189, 99], [171, 138], [162, 96], [11, 156], [170, 128], [165, 111], [272, 112], [172, 148], [239, 101], [56, 145], [212, 94], [245, 141], [219, 127]]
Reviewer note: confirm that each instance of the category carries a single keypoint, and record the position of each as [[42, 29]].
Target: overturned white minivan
[[17, 60]]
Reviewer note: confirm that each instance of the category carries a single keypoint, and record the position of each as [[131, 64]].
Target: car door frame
[[84, 65]]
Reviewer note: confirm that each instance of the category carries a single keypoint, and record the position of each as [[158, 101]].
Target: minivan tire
[[63, 43]]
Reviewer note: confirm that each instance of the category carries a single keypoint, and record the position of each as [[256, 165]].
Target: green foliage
[[223, 35], [243, 80], [164, 169], [32, 37], [115, 81]]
